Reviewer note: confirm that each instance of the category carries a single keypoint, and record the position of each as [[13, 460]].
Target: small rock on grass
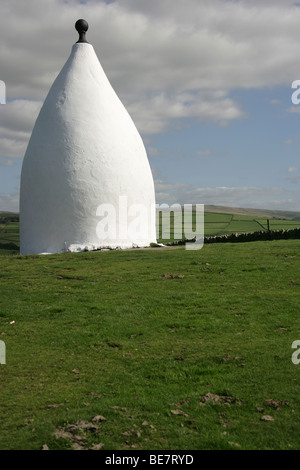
[[179, 412], [97, 446], [267, 418], [236, 444], [98, 419]]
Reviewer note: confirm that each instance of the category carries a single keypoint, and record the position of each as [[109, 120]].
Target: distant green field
[[224, 224], [9, 236]]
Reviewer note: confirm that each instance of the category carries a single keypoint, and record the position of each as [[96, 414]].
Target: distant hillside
[[6, 216], [8, 212], [272, 214]]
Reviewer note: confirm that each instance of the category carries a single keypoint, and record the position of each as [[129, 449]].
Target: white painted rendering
[[84, 152]]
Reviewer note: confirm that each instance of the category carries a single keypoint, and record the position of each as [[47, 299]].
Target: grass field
[[224, 223], [220, 224], [158, 348]]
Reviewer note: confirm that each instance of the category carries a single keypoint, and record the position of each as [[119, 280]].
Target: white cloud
[[4, 162], [16, 122], [244, 196], [205, 153], [170, 193], [294, 109], [20, 115], [9, 202], [165, 59], [168, 61], [295, 180], [294, 175], [155, 115]]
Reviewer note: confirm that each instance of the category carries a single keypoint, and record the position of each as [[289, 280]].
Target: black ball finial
[[81, 26]]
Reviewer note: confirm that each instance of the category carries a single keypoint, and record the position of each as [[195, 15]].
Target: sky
[[208, 84]]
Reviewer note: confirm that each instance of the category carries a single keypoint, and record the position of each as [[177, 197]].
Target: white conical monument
[[86, 182]]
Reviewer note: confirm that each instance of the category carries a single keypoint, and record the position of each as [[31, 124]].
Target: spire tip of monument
[[81, 27]]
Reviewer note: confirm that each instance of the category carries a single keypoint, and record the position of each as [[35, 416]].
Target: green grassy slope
[[222, 223], [174, 349]]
